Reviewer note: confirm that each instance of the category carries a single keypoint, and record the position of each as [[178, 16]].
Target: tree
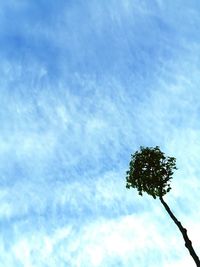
[[150, 171]]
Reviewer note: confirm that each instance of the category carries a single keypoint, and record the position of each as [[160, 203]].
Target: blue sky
[[83, 85]]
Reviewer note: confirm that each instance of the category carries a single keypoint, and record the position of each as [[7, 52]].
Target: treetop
[[150, 171]]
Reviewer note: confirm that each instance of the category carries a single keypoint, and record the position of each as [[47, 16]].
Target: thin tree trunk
[[188, 242]]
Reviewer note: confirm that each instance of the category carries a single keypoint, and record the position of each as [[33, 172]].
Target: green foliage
[[150, 171]]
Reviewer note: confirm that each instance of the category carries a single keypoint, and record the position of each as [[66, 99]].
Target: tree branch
[[188, 243]]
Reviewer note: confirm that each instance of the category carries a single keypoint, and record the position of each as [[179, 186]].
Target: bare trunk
[[188, 243]]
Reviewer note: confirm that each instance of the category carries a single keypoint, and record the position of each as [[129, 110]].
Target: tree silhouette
[[150, 171]]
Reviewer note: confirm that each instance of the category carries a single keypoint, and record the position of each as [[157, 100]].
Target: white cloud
[[100, 243]]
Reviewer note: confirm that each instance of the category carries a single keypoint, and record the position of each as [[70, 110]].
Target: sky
[[83, 85]]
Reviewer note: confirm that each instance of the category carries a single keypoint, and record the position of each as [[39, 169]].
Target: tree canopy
[[150, 171]]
